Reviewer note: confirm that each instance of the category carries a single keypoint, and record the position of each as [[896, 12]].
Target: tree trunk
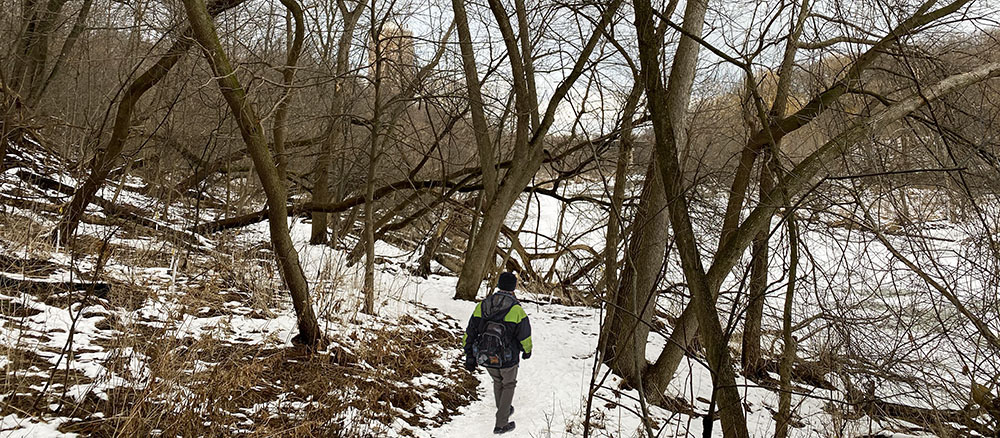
[[79, 25], [318, 231], [615, 217], [294, 49], [686, 328], [32, 48], [10, 120], [657, 376], [481, 251], [369, 234], [751, 359], [626, 330], [528, 149], [380, 226], [798, 179], [484, 146], [430, 248], [338, 125], [274, 188], [106, 158], [788, 351], [468, 283], [373, 155]]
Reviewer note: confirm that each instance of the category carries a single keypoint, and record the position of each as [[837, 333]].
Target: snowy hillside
[[156, 331]]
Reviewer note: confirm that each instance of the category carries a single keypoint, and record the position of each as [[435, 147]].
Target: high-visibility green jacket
[[501, 306]]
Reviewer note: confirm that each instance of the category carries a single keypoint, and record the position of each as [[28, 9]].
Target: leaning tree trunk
[[481, 253], [106, 158], [528, 144], [615, 215], [480, 128], [431, 246], [684, 331], [274, 188], [657, 376], [793, 183]]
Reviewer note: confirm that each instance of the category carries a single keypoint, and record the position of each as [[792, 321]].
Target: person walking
[[498, 336]]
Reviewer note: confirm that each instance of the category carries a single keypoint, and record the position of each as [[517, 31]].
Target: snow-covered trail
[[551, 385]]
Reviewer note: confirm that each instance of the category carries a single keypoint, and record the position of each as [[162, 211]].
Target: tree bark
[[799, 178], [788, 349], [373, 155], [656, 377], [817, 106], [274, 188], [431, 246], [751, 358], [74, 34], [32, 48], [615, 218], [484, 145], [687, 325]]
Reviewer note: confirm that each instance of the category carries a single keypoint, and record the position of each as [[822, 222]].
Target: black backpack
[[491, 348]]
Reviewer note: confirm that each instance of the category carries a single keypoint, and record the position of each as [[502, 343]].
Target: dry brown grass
[[160, 380], [340, 393]]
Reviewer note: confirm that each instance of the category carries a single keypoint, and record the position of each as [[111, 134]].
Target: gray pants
[[504, 380]]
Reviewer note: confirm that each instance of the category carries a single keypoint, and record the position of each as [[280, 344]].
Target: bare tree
[[528, 140], [730, 247], [751, 360], [264, 163], [294, 50]]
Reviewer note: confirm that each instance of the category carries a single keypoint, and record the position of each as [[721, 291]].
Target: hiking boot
[[504, 429]]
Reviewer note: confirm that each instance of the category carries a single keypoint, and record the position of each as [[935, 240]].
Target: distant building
[[398, 56]]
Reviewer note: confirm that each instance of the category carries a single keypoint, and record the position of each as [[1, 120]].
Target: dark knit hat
[[507, 282]]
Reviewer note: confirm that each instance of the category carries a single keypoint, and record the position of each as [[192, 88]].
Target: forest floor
[[192, 337]]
